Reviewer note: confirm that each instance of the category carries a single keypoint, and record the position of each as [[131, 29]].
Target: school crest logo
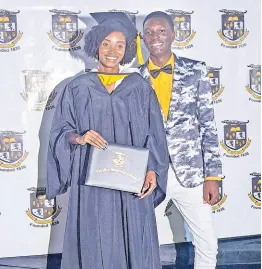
[[235, 138], [255, 194], [218, 207], [132, 15], [12, 152], [233, 27], [65, 33], [42, 211], [214, 79], [168, 211], [38, 85], [9, 34], [119, 159], [254, 87], [182, 28]]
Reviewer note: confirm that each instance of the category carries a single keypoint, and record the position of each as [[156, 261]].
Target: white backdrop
[[35, 59]]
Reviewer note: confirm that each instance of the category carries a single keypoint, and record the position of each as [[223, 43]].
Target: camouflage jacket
[[190, 128]]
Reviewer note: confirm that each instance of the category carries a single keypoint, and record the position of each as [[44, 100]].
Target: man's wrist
[[215, 178]]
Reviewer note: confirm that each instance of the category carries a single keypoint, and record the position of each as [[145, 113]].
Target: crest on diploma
[[119, 159]]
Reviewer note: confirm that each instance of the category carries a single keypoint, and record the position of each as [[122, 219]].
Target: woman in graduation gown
[[105, 228]]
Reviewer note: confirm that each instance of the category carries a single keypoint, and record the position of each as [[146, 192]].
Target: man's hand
[[149, 185], [210, 191]]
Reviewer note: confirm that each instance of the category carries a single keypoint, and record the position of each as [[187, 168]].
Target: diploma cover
[[119, 167]]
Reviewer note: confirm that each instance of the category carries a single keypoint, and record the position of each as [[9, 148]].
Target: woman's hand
[[93, 138], [149, 185]]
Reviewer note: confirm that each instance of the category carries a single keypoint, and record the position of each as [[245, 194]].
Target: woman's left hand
[[149, 185]]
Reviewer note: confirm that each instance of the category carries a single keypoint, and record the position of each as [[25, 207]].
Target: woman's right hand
[[93, 138]]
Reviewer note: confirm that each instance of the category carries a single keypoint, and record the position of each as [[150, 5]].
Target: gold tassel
[[139, 50]]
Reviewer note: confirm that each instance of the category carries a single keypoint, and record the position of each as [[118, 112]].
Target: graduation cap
[[116, 20], [120, 22]]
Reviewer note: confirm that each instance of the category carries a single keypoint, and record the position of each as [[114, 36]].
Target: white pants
[[198, 216]]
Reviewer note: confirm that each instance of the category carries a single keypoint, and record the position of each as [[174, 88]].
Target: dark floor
[[237, 253], [235, 266]]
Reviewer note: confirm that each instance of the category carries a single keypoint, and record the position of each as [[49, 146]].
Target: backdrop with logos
[[41, 49]]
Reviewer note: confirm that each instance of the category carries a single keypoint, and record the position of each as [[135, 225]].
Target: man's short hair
[[160, 14]]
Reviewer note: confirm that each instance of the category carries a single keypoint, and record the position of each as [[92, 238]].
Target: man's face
[[158, 36]]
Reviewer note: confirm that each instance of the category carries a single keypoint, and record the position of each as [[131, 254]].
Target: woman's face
[[112, 49]]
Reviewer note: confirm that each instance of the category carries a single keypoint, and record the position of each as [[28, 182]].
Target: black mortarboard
[[117, 21]]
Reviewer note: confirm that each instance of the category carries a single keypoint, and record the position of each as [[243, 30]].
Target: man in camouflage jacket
[[185, 96]]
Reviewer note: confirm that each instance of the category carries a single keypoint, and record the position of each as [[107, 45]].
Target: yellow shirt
[[163, 84]]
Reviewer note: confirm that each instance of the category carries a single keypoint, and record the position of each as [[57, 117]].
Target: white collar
[[122, 69]]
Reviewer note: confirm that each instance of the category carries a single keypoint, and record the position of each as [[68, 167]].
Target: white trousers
[[198, 216]]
